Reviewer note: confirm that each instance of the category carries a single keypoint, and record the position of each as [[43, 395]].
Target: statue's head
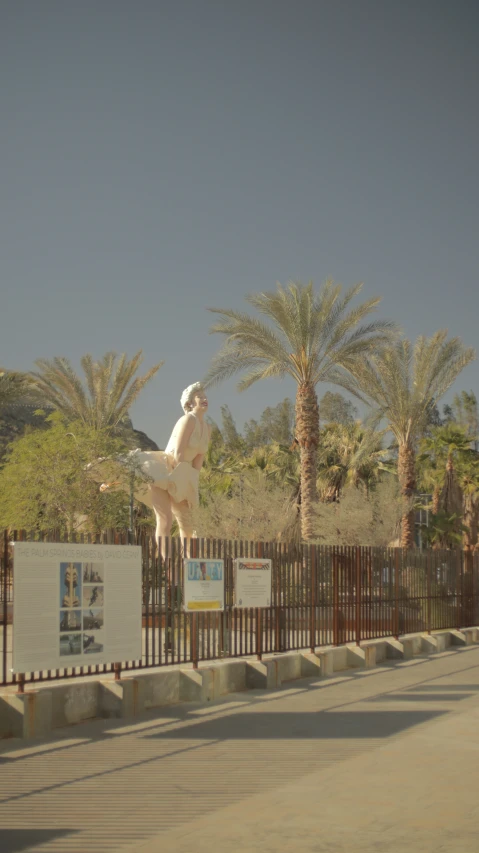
[[189, 397]]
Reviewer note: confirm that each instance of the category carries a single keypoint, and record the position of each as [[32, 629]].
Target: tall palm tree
[[102, 400], [14, 386], [404, 382], [313, 338]]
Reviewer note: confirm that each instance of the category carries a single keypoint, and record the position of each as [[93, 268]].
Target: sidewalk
[[379, 760]]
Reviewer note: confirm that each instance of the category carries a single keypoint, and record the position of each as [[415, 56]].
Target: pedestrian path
[[368, 760]]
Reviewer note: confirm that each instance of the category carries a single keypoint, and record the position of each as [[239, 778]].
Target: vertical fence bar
[[358, 595], [259, 613], [396, 593], [335, 597], [194, 619], [5, 607], [145, 560], [312, 624], [458, 592], [428, 592]]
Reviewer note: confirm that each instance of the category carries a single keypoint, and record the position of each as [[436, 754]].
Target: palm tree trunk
[[307, 435], [407, 483], [436, 506], [470, 520]]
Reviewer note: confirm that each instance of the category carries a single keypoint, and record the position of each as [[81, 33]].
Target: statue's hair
[[188, 396]]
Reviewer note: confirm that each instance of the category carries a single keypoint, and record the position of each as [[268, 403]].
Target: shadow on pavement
[[420, 697], [17, 840], [310, 725]]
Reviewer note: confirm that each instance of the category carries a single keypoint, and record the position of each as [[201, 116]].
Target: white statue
[[173, 474]]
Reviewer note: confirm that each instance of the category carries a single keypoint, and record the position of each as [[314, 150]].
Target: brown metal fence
[[322, 595]]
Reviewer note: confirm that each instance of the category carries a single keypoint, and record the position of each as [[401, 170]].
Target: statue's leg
[[161, 503], [184, 517]]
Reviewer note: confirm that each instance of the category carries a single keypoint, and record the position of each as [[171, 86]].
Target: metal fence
[[322, 595]]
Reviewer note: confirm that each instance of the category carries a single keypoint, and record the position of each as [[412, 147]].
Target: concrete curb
[[37, 712]]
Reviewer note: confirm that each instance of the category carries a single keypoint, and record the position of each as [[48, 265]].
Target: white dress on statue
[[180, 480]]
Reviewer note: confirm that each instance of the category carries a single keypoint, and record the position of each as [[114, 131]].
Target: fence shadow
[[319, 725], [17, 840]]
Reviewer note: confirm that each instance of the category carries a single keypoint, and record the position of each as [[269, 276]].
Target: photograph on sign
[[204, 585], [70, 620], [93, 573], [70, 584], [252, 582], [74, 603], [93, 596]]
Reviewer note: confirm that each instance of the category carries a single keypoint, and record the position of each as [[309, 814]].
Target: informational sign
[[204, 585], [75, 605], [252, 582]]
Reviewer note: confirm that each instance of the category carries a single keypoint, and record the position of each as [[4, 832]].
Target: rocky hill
[[15, 418]]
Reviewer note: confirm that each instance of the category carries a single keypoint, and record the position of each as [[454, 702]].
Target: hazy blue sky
[[161, 157]]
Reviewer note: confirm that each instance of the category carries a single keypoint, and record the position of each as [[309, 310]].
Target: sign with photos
[[204, 585], [75, 605]]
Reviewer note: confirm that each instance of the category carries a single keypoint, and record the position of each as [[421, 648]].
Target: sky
[[159, 157]]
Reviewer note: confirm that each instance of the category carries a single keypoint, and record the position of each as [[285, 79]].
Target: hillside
[[15, 418]]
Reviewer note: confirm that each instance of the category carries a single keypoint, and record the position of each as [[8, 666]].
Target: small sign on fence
[[75, 605], [204, 585], [252, 582]]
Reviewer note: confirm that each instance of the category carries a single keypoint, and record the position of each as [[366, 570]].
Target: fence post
[[358, 595], [259, 614], [335, 598], [428, 590], [3, 680], [468, 590], [459, 559], [194, 616], [396, 592], [278, 613], [312, 637]]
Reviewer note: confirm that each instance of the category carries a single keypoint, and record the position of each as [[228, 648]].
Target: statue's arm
[[184, 434], [198, 461]]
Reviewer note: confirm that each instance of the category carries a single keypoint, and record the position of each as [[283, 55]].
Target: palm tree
[[102, 400], [350, 455], [436, 461], [405, 382], [14, 387], [468, 476], [313, 338], [440, 454]]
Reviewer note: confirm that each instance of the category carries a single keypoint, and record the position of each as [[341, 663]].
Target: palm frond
[[103, 398]]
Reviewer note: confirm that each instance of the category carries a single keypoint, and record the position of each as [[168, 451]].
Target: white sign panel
[[204, 585], [75, 605], [252, 582]]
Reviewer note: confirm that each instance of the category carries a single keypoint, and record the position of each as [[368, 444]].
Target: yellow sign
[[204, 605]]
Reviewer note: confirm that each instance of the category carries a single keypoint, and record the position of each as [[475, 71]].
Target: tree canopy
[[103, 398]]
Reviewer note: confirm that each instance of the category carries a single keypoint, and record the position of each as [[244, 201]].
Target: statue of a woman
[[173, 473]]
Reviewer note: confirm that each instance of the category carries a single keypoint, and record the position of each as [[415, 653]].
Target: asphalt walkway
[[380, 760]]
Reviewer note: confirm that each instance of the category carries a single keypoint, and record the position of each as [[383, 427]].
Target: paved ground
[[384, 760]]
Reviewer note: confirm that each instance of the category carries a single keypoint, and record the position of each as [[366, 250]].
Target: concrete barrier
[[36, 712], [27, 714], [289, 667], [263, 675], [326, 662], [311, 665]]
